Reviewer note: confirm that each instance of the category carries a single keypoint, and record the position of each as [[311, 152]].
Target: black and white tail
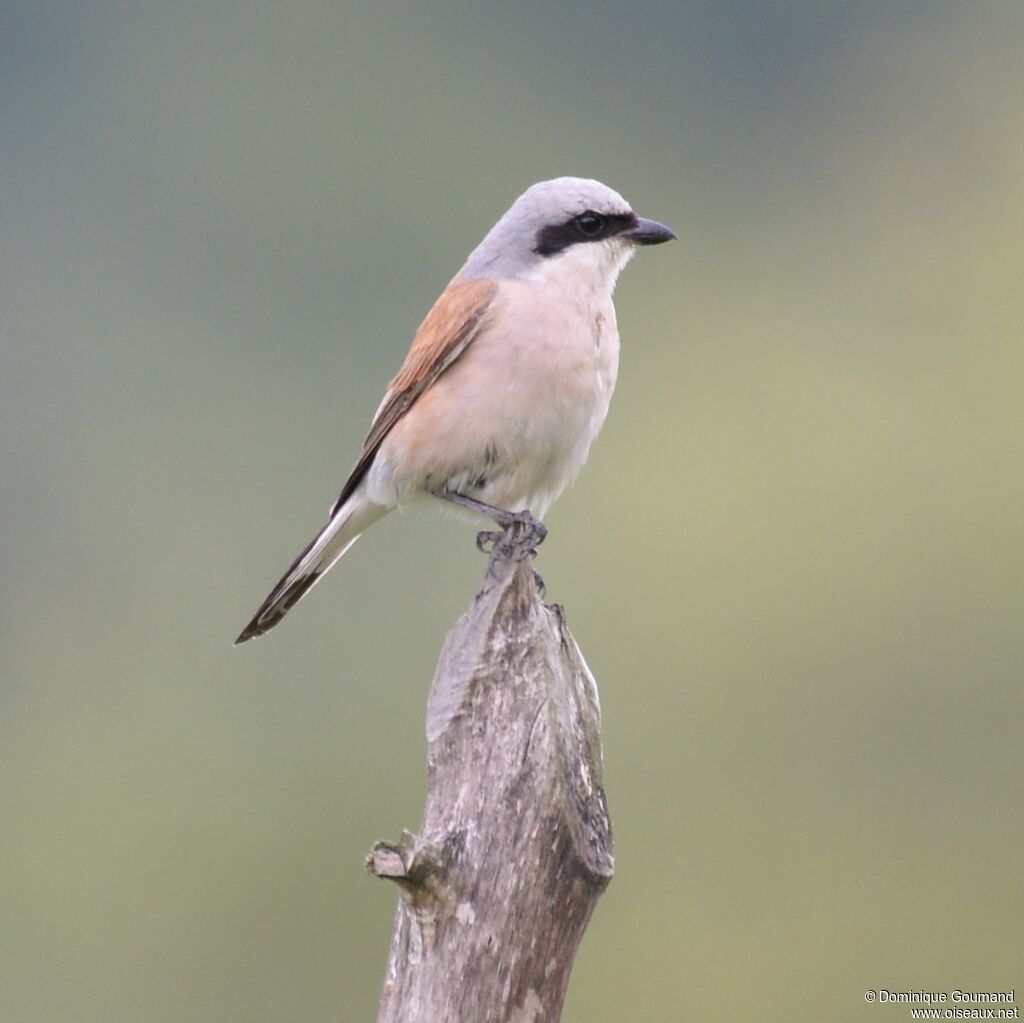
[[344, 528]]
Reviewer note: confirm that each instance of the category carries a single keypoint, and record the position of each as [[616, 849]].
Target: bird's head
[[566, 227]]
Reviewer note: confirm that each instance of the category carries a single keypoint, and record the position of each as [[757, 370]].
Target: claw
[[486, 539]]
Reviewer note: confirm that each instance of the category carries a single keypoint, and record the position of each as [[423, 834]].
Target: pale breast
[[512, 421]]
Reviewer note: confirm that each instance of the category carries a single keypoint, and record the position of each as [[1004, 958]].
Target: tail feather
[[343, 529]]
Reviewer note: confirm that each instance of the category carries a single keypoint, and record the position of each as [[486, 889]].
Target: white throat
[[588, 271]]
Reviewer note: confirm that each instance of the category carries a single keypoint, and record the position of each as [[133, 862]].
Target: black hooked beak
[[649, 232]]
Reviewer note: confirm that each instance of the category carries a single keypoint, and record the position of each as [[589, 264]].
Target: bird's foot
[[521, 536], [518, 538], [520, 531], [515, 544], [527, 530]]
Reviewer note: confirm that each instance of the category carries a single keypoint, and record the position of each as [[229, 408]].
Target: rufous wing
[[443, 336]]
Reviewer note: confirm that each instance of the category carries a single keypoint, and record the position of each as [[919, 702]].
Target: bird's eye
[[590, 224]]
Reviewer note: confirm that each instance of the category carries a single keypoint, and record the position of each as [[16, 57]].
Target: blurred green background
[[794, 561]]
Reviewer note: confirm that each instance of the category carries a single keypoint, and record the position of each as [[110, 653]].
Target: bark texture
[[515, 845]]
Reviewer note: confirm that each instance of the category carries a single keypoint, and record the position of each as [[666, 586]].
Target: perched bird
[[507, 382]]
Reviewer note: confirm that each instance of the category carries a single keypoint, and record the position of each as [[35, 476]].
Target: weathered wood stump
[[515, 845]]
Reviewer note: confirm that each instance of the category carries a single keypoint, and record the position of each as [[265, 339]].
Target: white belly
[[511, 423]]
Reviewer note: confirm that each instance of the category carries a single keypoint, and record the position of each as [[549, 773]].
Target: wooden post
[[515, 845]]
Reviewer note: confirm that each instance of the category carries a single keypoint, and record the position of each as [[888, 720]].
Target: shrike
[[507, 382]]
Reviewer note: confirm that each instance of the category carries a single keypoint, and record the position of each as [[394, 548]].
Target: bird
[[507, 382]]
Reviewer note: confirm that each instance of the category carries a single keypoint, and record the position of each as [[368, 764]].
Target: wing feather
[[443, 336]]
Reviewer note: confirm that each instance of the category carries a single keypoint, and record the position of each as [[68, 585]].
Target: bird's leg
[[520, 530], [505, 519]]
